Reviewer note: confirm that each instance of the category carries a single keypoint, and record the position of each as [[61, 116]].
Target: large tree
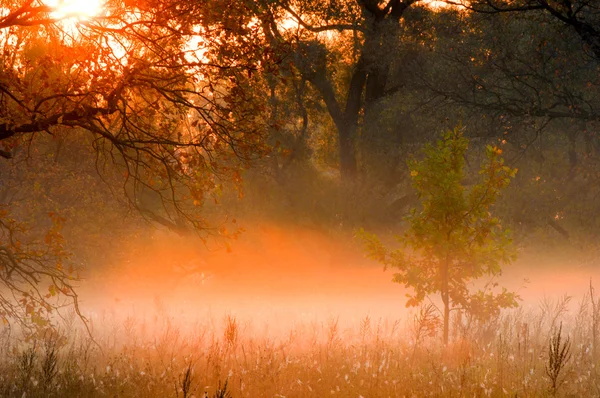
[[161, 90], [349, 52]]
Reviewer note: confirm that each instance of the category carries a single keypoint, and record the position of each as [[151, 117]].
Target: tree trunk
[[348, 168], [573, 161], [348, 127], [445, 299], [446, 322], [346, 120]]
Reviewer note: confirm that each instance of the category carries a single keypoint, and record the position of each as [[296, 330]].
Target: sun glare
[[80, 9]]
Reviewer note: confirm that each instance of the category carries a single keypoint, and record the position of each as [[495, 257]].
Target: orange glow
[[281, 277], [436, 5], [273, 275], [79, 9]]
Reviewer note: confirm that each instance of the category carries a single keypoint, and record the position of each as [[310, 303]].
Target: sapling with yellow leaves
[[453, 238]]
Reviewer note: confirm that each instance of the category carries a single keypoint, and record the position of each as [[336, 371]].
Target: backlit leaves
[[453, 227]]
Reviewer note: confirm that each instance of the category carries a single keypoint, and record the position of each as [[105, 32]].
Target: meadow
[[229, 357], [332, 329]]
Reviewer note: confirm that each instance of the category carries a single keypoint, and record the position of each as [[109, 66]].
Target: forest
[[299, 198]]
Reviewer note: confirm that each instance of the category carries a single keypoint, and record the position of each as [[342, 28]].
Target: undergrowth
[[545, 351]]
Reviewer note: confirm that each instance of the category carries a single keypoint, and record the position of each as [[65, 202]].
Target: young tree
[[453, 239]]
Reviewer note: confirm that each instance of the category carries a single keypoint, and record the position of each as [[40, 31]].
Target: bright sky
[[75, 8]]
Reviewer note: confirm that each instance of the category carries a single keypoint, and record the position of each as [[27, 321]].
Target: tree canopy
[[159, 89], [157, 110]]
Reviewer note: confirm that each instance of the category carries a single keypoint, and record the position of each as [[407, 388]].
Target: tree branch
[[318, 29], [8, 130]]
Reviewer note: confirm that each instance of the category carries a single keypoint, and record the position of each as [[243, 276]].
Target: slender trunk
[[445, 299], [446, 322], [594, 321]]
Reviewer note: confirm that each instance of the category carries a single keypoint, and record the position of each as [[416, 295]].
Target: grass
[[545, 351]]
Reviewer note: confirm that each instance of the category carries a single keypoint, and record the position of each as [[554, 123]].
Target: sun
[[80, 9]]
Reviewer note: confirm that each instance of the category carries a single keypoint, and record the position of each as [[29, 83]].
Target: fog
[[275, 277], [272, 275]]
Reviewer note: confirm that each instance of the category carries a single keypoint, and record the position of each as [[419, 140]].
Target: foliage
[[579, 17], [172, 111], [158, 94], [351, 55], [453, 239], [60, 175], [559, 353], [35, 271]]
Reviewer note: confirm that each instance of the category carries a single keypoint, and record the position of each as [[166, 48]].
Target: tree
[[161, 90], [535, 61], [518, 65], [581, 16], [522, 72], [158, 95], [348, 51], [453, 239]]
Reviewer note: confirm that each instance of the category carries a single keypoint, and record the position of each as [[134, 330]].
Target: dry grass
[[508, 356]]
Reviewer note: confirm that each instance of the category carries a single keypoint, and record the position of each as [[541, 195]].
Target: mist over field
[[275, 276], [315, 309]]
